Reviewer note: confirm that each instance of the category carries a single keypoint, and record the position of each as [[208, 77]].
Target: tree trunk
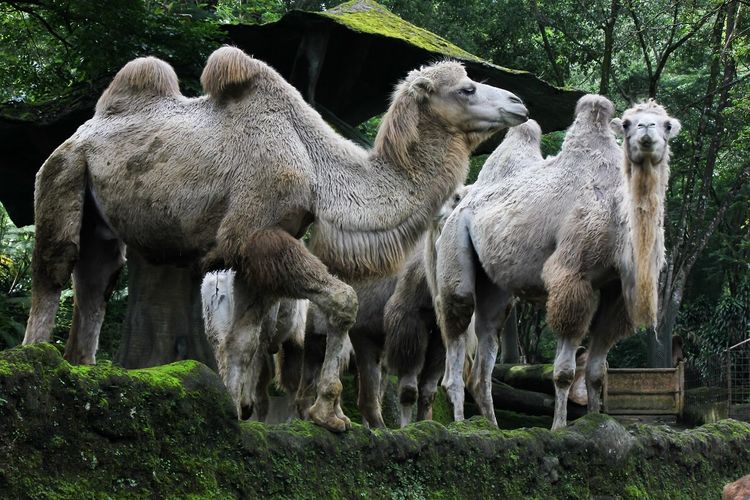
[[609, 42], [660, 343], [163, 320], [506, 397]]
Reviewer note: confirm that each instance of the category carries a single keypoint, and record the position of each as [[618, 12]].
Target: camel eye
[[456, 198], [468, 90], [626, 124], [668, 126]]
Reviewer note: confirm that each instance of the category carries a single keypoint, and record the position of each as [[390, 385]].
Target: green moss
[[367, 16], [92, 432]]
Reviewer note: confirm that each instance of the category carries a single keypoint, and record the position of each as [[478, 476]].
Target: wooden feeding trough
[[644, 392]]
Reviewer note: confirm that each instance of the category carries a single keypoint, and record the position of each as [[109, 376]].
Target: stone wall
[[80, 432]]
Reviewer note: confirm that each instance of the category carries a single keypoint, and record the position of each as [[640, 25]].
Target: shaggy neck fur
[[415, 165], [645, 187]]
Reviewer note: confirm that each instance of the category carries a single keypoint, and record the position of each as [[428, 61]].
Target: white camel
[[586, 222], [232, 179]]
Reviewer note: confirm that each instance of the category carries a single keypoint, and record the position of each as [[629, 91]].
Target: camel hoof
[[347, 422], [245, 412], [330, 421]]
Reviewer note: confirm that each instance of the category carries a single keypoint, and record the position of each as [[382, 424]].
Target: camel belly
[[163, 229]]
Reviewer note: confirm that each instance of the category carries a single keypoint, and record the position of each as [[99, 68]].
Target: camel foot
[[327, 411], [340, 414], [324, 416]]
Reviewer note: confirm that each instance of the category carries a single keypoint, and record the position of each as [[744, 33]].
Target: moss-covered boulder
[[84, 432]]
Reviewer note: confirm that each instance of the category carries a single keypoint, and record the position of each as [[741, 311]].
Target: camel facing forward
[[232, 179], [588, 221]]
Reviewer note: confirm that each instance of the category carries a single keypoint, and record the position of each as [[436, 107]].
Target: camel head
[[442, 97], [646, 129], [459, 103]]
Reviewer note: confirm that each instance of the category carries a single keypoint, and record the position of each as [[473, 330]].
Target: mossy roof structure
[[345, 61]]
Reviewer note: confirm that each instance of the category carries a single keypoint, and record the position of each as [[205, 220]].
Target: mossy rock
[[91, 432]]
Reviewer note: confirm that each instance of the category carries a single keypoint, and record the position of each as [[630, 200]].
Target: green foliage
[[49, 46], [252, 12], [16, 245]]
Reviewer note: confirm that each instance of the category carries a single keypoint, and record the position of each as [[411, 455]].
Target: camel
[[370, 336], [586, 222], [232, 179]]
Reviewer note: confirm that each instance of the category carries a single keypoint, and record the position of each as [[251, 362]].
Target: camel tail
[[145, 77], [229, 73], [58, 212]]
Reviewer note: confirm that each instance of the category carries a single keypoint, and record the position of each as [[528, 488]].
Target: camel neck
[[645, 187], [377, 208]]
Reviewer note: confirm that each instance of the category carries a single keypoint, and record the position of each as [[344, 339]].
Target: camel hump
[[595, 103], [144, 76], [229, 73], [529, 131]]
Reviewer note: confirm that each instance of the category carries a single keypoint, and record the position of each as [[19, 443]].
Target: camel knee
[[455, 314], [408, 394], [341, 308], [564, 376]]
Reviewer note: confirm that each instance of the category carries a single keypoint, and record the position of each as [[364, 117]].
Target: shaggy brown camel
[[232, 179], [585, 221]]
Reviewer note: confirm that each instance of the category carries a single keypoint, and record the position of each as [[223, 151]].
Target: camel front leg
[[278, 265], [570, 307], [368, 367], [610, 324], [564, 373], [429, 377]]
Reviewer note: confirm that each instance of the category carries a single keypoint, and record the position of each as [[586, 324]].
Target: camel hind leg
[[59, 194], [490, 314], [94, 277], [456, 262]]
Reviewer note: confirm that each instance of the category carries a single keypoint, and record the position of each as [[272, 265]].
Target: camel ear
[[421, 86], [673, 127], [617, 128]]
